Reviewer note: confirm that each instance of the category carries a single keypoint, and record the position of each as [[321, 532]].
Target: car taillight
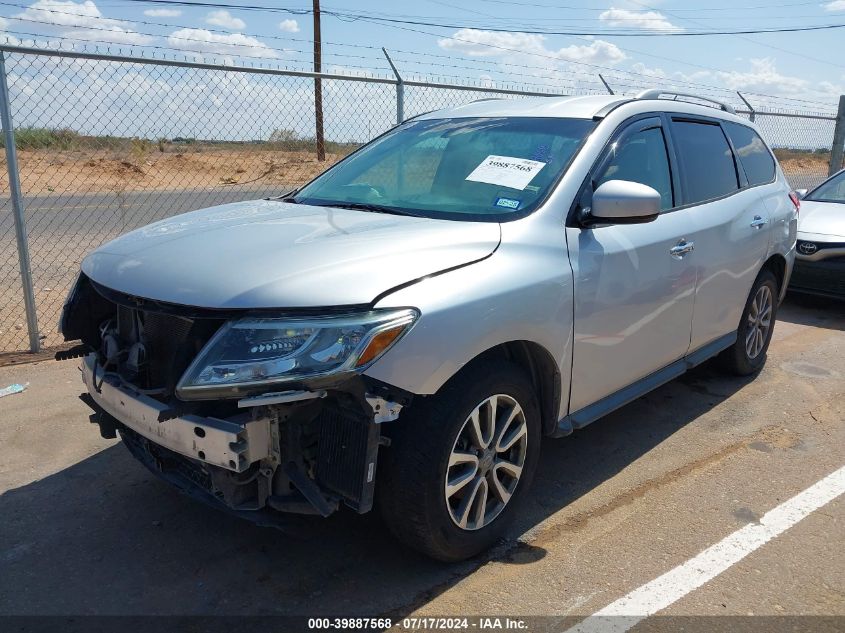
[[796, 201]]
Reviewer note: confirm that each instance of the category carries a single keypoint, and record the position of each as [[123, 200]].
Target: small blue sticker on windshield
[[508, 203]]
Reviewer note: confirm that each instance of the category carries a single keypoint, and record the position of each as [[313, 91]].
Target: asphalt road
[[63, 228], [92, 214], [86, 530]]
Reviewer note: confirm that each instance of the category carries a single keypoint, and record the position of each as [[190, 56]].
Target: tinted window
[[641, 158], [707, 165], [753, 154]]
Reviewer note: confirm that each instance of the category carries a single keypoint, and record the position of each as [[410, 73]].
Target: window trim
[[774, 158], [637, 123]]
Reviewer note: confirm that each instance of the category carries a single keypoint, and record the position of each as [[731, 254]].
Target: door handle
[[757, 222], [681, 248]]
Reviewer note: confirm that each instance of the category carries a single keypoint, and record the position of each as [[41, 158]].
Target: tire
[[748, 354], [412, 495]]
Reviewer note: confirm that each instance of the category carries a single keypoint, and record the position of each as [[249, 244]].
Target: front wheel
[[460, 463], [748, 354]]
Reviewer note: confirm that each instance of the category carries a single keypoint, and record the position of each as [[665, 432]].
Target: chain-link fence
[[802, 142], [107, 144]]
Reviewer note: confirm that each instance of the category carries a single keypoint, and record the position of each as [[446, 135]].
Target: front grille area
[[826, 276], [170, 343], [167, 339]]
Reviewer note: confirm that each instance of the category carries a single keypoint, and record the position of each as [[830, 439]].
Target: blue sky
[[794, 68]]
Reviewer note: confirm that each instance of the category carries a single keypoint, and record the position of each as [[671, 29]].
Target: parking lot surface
[[87, 530]]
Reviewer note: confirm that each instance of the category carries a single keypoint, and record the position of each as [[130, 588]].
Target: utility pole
[[318, 85]]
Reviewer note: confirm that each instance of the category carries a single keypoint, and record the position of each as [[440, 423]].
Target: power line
[[649, 77], [696, 10], [748, 39], [595, 32]]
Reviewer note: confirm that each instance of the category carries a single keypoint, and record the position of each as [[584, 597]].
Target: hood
[[822, 221], [270, 254]]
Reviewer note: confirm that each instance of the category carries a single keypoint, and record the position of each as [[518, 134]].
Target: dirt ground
[[48, 172], [91, 170]]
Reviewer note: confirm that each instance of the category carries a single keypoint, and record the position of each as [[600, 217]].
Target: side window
[[641, 157], [707, 164], [753, 154]]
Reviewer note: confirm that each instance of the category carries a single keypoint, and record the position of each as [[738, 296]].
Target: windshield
[[468, 169], [831, 191]]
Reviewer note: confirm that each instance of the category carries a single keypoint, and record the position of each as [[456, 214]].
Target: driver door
[[633, 295]]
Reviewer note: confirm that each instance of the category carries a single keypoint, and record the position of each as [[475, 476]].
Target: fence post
[[606, 85], [836, 152], [17, 209], [400, 89], [750, 107]]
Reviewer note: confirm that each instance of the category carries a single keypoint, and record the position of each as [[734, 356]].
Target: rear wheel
[[460, 463], [748, 354]]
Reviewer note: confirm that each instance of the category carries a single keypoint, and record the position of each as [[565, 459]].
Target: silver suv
[[405, 329]]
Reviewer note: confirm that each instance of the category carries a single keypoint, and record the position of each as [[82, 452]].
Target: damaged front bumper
[[233, 444], [306, 456]]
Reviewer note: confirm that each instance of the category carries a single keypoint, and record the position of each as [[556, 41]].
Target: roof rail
[[656, 93]]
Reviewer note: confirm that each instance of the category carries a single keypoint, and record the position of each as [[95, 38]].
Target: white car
[[820, 251]]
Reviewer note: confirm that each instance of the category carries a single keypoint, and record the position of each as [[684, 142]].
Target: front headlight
[[253, 353]]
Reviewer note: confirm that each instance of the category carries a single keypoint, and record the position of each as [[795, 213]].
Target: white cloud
[[289, 26], [763, 77], [163, 13], [524, 54], [478, 43], [66, 13], [599, 52], [225, 20], [836, 5], [204, 41], [84, 20], [110, 35], [646, 20]]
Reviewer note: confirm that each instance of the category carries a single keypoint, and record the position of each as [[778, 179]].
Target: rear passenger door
[[728, 221]]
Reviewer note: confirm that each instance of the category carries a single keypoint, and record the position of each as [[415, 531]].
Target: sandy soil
[[804, 164], [89, 171], [44, 172]]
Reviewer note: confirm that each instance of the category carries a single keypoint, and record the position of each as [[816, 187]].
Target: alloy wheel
[[759, 322], [486, 462]]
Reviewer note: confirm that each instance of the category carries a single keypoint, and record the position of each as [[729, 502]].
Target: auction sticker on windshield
[[506, 171]]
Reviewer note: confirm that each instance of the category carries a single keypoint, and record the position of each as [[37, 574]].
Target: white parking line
[[661, 592]]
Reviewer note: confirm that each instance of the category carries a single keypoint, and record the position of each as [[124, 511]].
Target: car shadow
[[106, 537], [805, 309]]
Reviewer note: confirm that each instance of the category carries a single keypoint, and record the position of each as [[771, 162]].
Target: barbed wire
[[703, 87]]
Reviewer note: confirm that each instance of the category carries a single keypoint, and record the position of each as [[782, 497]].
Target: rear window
[[753, 154], [707, 164]]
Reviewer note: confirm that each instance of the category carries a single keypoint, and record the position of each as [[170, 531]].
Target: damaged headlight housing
[[253, 353]]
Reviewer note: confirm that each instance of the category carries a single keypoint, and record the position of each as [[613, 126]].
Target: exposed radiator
[[347, 454]]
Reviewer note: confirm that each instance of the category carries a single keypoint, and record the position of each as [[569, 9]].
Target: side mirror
[[624, 202], [800, 193]]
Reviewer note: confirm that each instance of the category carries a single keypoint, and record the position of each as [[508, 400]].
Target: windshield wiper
[[367, 206], [287, 196]]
